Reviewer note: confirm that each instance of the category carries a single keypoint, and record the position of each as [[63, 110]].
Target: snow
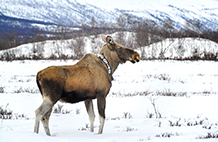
[[127, 112], [180, 48]]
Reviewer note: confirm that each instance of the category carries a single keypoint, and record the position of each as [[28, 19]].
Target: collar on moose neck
[[100, 56]]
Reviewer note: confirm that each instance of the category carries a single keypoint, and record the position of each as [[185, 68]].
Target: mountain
[[22, 26], [27, 13]]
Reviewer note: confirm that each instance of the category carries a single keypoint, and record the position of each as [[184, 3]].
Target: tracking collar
[[107, 64]]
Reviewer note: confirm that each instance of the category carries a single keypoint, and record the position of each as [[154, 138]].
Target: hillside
[[174, 48], [181, 48]]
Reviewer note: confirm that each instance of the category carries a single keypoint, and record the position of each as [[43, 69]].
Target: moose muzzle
[[135, 58]]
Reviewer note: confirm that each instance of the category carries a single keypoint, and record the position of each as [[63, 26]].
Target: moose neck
[[111, 60]]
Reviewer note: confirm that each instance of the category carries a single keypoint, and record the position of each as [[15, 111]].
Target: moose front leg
[[101, 110]]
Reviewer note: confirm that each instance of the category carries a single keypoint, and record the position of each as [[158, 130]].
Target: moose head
[[119, 52]]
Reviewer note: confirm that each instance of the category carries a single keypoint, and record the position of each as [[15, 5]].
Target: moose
[[88, 79]]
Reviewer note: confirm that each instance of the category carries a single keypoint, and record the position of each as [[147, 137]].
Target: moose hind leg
[[40, 112], [90, 110], [45, 122], [101, 110]]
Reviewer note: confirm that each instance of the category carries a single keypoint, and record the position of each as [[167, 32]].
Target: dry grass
[[5, 113]]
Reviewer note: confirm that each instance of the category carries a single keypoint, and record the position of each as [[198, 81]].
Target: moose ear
[[107, 39], [103, 37]]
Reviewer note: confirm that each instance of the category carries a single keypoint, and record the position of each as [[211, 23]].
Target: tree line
[[144, 33]]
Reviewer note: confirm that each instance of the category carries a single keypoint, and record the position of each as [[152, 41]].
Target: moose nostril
[[137, 60], [132, 61]]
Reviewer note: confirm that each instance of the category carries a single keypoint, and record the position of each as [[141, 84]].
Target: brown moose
[[90, 78]]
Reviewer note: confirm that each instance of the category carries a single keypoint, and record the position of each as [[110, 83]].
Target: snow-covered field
[[184, 94]]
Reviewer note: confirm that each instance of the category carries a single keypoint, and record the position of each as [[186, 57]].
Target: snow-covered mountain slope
[[68, 11]]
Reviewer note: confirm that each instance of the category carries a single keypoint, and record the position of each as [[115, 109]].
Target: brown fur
[[84, 81], [75, 83]]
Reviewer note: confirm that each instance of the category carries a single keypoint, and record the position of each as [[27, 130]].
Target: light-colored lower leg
[[101, 110], [101, 126], [37, 120], [91, 118], [90, 110], [92, 124], [45, 122], [40, 112]]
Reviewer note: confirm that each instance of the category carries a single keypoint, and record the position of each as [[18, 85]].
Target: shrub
[[86, 128], [77, 111], [119, 94], [129, 129], [5, 113], [209, 135], [166, 135], [60, 109], [168, 92], [157, 113], [127, 115], [2, 89]]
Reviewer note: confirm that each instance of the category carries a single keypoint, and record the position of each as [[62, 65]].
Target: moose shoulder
[[90, 78]]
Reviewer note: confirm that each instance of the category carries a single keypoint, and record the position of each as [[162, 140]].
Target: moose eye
[[109, 40], [120, 48]]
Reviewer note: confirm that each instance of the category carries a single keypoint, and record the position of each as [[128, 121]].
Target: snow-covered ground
[[183, 92]]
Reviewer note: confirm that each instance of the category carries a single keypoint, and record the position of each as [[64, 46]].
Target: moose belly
[[76, 96]]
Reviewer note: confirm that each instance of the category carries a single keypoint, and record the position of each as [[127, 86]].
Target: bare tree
[[11, 39], [60, 34], [197, 26], [95, 45], [168, 28], [187, 27], [57, 38], [122, 25], [78, 45], [93, 27], [94, 31], [104, 27], [130, 40], [142, 36], [85, 27]]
